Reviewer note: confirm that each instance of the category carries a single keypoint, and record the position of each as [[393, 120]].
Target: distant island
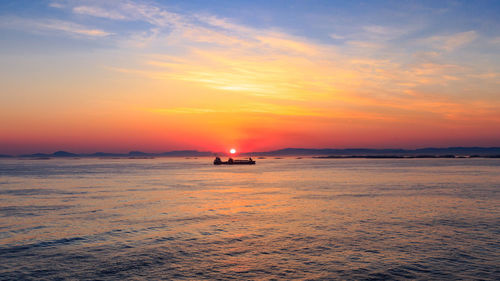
[[431, 152], [131, 154], [447, 152]]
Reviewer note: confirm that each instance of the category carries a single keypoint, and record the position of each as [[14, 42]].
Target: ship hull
[[235, 163]]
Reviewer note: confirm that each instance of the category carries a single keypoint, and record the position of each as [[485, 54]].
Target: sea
[[281, 219]]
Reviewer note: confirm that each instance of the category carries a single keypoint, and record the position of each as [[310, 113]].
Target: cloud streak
[[450, 42], [51, 25]]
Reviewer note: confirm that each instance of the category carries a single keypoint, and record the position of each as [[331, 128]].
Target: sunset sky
[[154, 76]]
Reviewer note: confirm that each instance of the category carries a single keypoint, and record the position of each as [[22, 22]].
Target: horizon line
[[139, 152]]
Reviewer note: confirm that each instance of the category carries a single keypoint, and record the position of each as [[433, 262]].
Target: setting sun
[[232, 151]]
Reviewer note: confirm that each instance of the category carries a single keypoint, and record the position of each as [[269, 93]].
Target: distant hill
[[5, 156], [55, 154], [64, 154], [131, 154], [460, 151], [138, 153], [186, 153], [104, 154], [360, 152]]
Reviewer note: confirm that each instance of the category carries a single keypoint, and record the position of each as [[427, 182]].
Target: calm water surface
[[146, 219]]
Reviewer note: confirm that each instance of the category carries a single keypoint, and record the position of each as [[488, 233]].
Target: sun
[[232, 151]]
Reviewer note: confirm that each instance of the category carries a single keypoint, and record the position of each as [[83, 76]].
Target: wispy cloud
[[380, 32], [126, 11], [336, 36], [45, 25], [250, 108], [450, 42], [99, 12], [57, 5], [70, 27]]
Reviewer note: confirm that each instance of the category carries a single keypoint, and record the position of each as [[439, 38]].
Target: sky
[[115, 76]]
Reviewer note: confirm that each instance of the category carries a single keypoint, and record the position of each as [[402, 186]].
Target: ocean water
[[314, 219]]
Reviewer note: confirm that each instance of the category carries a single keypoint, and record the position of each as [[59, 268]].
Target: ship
[[232, 161]]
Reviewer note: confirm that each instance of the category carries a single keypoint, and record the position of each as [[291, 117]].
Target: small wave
[[28, 247], [37, 191], [26, 211]]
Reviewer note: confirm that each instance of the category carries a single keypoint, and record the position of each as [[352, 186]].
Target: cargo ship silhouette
[[232, 161]]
